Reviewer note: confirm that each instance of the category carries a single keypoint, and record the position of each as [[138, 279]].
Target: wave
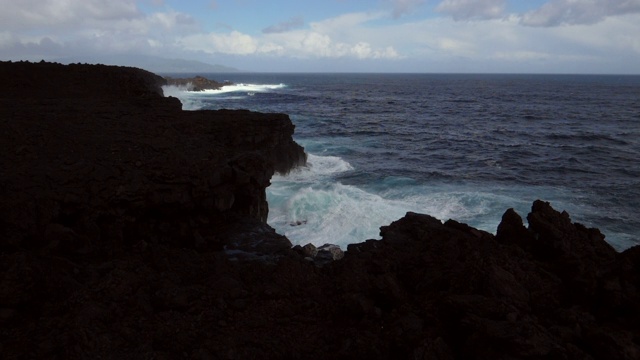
[[196, 100], [248, 88], [182, 94], [310, 205], [317, 167], [344, 214]]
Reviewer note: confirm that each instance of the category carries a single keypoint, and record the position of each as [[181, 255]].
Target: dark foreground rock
[[115, 215]]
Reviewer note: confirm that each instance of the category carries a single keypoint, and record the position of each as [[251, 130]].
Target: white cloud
[[505, 45], [610, 36], [319, 44], [572, 12], [472, 9], [25, 14], [603, 39], [344, 36], [235, 43], [314, 44], [271, 49], [87, 27]]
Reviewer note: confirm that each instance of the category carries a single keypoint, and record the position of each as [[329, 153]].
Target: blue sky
[[527, 36]]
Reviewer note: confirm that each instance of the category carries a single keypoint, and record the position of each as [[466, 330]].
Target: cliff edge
[[98, 156], [130, 229]]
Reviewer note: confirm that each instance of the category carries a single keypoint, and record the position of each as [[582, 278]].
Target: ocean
[[455, 146]]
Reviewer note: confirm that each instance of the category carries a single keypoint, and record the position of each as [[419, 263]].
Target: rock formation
[[99, 151], [197, 83], [130, 229]]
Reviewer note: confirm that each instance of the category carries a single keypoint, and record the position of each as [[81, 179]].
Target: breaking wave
[[196, 100]]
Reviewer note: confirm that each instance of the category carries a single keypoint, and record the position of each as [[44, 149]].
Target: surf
[[197, 100]]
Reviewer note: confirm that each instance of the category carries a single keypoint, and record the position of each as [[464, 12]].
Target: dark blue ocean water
[[465, 147]]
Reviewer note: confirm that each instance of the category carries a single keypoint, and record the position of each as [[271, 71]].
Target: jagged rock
[[329, 252], [252, 239], [197, 83], [309, 250]]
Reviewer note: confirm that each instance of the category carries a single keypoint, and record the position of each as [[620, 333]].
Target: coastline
[[118, 206]]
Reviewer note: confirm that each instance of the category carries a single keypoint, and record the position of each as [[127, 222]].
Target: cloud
[[319, 45], [345, 22], [343, 36], [572, 12], [235, 43], [301, 44], [63, 28], [402, 7], [293, 23], [472, 9], [26, 14]]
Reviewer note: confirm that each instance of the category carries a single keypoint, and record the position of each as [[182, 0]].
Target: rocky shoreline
[[131, 230], [197, 83]]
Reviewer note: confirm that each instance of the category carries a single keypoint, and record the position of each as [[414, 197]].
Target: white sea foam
[[317, 167], [182, 93], [309, 206], [344, 214], [195, 100], [247, 88]]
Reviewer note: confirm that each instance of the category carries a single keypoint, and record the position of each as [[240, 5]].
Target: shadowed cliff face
[[115, 210], [99, 153]]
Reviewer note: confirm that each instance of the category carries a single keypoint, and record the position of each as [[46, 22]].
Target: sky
[[453, 36]]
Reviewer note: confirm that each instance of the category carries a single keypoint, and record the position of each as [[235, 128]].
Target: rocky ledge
[[197, 83], [133, 230]]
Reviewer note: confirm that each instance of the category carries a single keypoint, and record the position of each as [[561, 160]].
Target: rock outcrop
[[99, 153], [132, 230], [197, 83]]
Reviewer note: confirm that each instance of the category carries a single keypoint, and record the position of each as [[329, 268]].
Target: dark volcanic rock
[[24, 80], [116, 167], [132, 230], [197, 83]]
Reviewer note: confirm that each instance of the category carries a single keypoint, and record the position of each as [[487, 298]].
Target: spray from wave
[[242, 88], [310, 205], [196, 100], [182, 93]]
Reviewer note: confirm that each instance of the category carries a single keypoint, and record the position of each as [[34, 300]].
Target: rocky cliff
[[196, 83], [130, 229], [96, 153]]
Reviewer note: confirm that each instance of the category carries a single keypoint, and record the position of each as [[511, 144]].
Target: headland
[[132, 229]]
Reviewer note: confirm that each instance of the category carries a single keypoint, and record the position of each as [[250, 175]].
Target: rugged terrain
[[196, 83], [130, 229]]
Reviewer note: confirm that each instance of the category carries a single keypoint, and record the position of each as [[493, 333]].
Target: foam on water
[[307, 208], [196, 100], [344, 214], [182, 94], [417, 143], [247, 88], [317, 167]]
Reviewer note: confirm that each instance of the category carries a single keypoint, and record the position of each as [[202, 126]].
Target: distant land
[[154, 64]]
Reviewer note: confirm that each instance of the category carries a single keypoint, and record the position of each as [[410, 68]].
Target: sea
[[455, 146]]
